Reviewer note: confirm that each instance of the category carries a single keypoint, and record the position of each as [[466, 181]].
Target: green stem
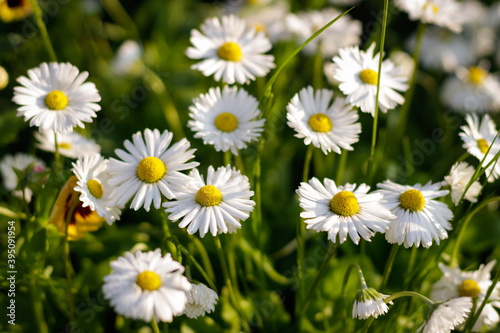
[[257, 213], [375, 115], [239, 163], [166, 232], [67, 262], [388, 266], [409, 294], [346, 279], [120, 16], [227, 157], [37, 305], [207, 265], [37, 12], [331, 251], [154, 325], [341, 167]]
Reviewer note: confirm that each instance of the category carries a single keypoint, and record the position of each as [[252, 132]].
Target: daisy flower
[[55, 98], [357, 73], [149, 168], [230, 50], [217, 205], [460, 175], [343, 210], [19, 161], [456, 283], [72, 144], [4, 78], [93, 174], [83, 219], [477, 137], [226, 119], [14, 10], [345, 32], [369, 303], [472, 90], [419, 218], [444, 13], [327, 126], [147, 285], [201, 300], [447, 316]]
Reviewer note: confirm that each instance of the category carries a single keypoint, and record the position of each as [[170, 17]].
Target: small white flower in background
[[419, 218], [369, 303], [327, 126], [447, 316], [472, 89], [4, 78], [343, 210], [226, 119], [460, 175], [345, 32], [456, 283], [72, 144], [443, 50], [444, 13], [216, 206], [147, 284], [149, 168], [201, 300], [477, 137], [357, 72], [404, 61], [19, 161], [269, 19], [92, 172], [55, 97], [230, 50], [127, 55]]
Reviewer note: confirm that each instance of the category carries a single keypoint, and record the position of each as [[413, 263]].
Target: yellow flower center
[[226, 122], [148, 280], [151, 169], [344, 203], [95, 188], [229, 51], [208, 195], [477, 75], [469, 288], [368, 76], [433, 6], [412, 200], [483, 145], [65, 145], [320, 122], [259, 27], [56, 100]]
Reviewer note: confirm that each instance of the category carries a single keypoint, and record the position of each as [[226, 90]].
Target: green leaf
[[35, 250]]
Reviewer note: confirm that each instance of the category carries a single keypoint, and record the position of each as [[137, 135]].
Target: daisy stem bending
[[346, 279], [405, 109], [37, 12], [154, 325], [463, 225], [388, 266], [375, 115], [67, 259], [409, 294], [329, 254], [172, 247], [472, 319]]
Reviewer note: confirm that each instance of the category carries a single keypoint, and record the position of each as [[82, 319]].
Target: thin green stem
[[37, 12], [388, 266], [307, 163], [166, 232], [207, 265], [67, 262], [227, 157], [341, 167], [37, 305], [240, 165], [367, 325], [154, 325], [409, 294], [257, 213], [346, 279], [371, 159]]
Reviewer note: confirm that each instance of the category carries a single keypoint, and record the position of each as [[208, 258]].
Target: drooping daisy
[[201, 300], [369, 303], [343, 210], [55, 97], [456, 283], [83, 219], [4, 78], [216, 206], [345, 32], [72, 145], [460, 175], [357, 72], [149, 168], [230, 50], [327, 126], [447, 316], [19, 161], [445, 13], [14, 10], [472, 90], [93, 175], [147, 285], [477, 137], [226, 119], [419, 218]]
